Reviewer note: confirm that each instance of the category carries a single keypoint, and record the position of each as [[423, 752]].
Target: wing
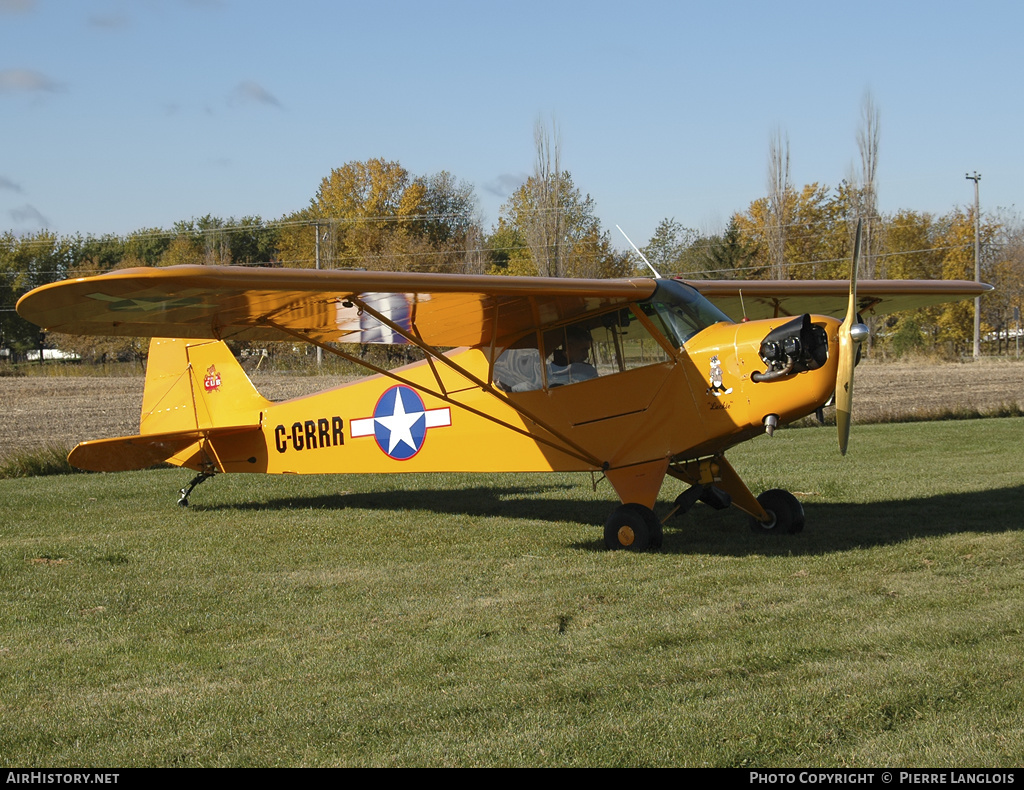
[[773, 298], [232, 302]]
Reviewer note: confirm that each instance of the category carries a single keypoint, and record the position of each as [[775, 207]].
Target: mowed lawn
[[477, 619]]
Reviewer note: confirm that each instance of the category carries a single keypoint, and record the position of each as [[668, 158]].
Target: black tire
[[800, 519], [628, 528], [785, 511]]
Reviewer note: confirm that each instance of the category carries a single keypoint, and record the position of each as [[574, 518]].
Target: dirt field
[[36, 412]]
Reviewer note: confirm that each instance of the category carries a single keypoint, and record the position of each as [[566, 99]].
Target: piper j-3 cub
[[635, 379]]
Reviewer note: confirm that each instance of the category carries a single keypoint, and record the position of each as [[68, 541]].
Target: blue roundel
[[399, 423]]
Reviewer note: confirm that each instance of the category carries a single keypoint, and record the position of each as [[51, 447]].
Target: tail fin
[[195, 392], [196, 385]]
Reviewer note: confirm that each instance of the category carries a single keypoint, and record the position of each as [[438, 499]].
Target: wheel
[[653, 523], [632, 527], [785, 511]]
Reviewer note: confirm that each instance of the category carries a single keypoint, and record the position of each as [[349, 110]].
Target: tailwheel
[[785, 513], [633, 527], [202, 477]]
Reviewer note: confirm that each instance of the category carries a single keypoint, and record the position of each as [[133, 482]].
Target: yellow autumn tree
[[907, 251], [819, 242], [818, 235], [753, 225], [377, 215], [955, 323]]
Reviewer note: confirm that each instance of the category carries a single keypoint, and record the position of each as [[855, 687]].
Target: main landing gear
[[785, 513], [635, 527]]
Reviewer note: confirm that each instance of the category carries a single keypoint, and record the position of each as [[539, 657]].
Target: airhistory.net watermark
[[59, 778]]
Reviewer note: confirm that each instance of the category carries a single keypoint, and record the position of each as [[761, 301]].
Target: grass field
[[477, 620]]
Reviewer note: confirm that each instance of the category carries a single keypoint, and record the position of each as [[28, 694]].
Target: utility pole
[[977, 264], [320, 351]]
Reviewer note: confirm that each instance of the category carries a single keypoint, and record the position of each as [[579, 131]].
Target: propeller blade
[[851, 335]]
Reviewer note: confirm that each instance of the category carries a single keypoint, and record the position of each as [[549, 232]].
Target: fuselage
[[699, 400]]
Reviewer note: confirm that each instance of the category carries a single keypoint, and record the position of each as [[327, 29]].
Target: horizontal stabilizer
[[126, 453]]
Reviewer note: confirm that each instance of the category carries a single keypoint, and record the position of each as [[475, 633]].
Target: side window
[[626, 343], [572, 358], [578, 352], [568, 358], [518, 369]]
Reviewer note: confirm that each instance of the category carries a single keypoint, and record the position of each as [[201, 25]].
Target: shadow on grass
[[840, 527], [830, 527], [513, 501]]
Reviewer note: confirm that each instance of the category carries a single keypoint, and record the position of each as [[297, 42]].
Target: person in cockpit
[[569, 362]]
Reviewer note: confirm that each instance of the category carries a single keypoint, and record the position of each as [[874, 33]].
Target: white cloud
[[250, 91], [28, 81], [16, 6], [112, 21], [31, 214], [505, 184]]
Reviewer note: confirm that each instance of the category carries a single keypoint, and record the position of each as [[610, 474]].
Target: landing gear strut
[[199, 478], [708, 494]]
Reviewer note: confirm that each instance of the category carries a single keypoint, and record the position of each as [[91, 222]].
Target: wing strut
[[568, 447], [432, 352]]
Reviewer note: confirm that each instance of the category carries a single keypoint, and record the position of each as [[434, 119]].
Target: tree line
[[375, 214], [818, 224]]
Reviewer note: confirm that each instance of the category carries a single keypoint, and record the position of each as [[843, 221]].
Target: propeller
[[851, 334]]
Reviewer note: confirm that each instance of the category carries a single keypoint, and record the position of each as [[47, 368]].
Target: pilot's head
[[577, 344]]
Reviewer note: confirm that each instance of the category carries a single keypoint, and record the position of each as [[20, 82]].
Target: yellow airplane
[[634, 379]]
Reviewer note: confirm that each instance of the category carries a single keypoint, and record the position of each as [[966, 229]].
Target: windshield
[[680, 311]]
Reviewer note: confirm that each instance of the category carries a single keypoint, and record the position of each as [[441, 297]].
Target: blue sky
[[117, 115]]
